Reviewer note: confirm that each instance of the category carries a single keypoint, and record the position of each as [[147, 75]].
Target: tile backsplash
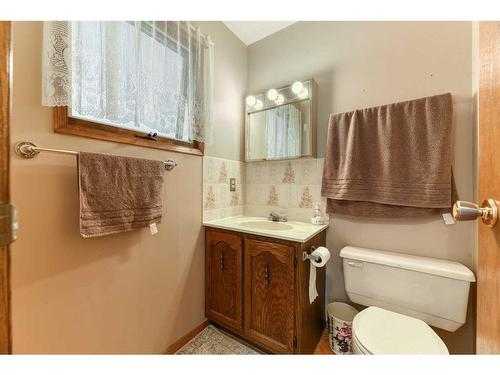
[[290, 187], [218, 201]]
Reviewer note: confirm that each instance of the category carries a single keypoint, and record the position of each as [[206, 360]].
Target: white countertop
[[291, 230]]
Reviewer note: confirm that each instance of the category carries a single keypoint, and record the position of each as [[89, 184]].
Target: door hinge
[[8, 223], [295, 262]]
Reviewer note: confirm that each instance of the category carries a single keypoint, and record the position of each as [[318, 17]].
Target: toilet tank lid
[[433, 266]]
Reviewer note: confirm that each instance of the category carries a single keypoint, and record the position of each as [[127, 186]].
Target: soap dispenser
[[317, 218]]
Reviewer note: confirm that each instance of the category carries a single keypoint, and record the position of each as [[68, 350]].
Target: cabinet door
[[224, 278], [269, 294]]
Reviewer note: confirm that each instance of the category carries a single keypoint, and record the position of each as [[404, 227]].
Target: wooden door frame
[[488, 258], [5, 81]]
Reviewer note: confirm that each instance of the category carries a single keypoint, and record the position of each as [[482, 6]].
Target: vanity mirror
[[281, 122]]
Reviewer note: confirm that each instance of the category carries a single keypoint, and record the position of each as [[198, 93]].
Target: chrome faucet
[[273, 216]]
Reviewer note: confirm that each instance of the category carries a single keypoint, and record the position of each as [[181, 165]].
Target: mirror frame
[[313, 97]]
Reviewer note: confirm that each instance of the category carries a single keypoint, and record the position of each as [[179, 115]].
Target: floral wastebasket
[[340, 316]]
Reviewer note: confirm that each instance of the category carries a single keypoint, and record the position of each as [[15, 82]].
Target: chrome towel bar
[[29, 150]]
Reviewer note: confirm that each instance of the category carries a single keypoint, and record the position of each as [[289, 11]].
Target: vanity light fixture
[[304, 93], [297, 87], [279, 100], [272, 94], [258, 105], [251, 100]]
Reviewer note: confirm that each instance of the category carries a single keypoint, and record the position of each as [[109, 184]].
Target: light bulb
[[272, 94], [258, 105], [251, 100], [279, 100], [297, 87], [304, 93]]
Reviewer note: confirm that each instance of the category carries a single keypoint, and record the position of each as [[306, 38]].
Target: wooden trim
[[488, 257], [69, 125], [5, 80], [172, 349]]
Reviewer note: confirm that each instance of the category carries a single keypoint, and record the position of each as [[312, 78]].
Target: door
[[488, 261], [224, 278], [5, 218], [269, 294]]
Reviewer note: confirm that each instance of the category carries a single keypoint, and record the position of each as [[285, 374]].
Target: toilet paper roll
[[323, 255]]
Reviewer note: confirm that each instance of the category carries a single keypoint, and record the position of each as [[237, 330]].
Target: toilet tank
[[433, 290]]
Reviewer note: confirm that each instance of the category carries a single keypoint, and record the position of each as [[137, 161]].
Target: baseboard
[[186, 338]]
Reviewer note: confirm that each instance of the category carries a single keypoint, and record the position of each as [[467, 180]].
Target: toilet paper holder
[[306, 256]]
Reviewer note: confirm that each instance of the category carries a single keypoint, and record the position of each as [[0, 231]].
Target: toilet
[[380, 331], [405, 295]]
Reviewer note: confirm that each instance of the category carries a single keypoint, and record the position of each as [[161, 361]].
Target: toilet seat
[[379, 331]]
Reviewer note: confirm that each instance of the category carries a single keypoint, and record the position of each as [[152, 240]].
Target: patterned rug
[[212, 341]]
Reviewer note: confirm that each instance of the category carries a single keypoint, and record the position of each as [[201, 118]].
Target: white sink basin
[[266, 225], [291, 230]]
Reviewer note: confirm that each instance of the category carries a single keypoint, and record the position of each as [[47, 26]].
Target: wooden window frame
[[65, 124]]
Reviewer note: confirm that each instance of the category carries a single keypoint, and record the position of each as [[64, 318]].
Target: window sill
[[68, 125]]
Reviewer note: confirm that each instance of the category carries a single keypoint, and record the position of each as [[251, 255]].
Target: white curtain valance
[[56, 60], [143, 75]]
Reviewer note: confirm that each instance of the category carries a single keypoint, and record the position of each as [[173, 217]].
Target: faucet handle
[[273, 216]]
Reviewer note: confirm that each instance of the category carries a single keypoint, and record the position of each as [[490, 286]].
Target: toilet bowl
[[379, 331]]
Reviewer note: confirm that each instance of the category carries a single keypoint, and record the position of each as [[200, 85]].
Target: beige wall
[[125, 293], [360, 64], [226, 139]]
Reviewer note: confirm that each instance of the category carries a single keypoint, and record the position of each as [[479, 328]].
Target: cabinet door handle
[[267, 276], [222, 261]]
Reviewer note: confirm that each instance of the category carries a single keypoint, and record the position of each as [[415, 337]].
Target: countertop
[[291, 230]]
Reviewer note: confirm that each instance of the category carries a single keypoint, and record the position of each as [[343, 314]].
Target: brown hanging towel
[[392, 161], [118, 194]]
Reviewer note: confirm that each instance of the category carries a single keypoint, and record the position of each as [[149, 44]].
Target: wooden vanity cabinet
[[263, 296]]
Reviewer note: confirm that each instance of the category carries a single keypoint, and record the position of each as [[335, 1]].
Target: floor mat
[[212, 341]]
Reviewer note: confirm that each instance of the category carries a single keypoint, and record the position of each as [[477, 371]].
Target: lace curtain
[[283, 132], [56, 59], [146, 76]]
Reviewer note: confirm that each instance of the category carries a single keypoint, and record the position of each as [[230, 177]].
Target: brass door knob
[[488, 212]]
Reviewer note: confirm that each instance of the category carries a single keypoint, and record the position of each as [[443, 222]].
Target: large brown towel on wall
[[118, 194], [391, 161]]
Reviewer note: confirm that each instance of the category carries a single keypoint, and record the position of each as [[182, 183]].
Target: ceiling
[[251, 31]]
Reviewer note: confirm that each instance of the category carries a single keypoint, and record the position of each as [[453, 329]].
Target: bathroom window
[[145, 83]]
